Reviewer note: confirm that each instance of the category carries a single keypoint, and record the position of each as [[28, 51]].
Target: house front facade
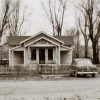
[[40, 49]]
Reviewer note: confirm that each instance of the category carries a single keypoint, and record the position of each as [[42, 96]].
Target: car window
[[83, 62]]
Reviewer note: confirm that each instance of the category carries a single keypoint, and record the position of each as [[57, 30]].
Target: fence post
[[30, 70]]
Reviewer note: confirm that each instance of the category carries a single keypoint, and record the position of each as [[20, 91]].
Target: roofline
[[39, 34], [15, 47], [70, 48]]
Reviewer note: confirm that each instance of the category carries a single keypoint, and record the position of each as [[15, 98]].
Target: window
[[33, 54], [50, 54]]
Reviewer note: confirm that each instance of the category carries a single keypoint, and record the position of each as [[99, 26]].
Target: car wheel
[[71, 74], [93, 75], [85, 75]]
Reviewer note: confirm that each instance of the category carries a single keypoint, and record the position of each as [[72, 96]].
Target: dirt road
[[72, 89]]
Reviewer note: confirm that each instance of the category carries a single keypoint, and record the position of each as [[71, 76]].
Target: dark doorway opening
[[42, 56], [19, 57]]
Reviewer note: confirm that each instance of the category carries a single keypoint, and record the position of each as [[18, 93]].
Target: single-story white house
[[40, 49]]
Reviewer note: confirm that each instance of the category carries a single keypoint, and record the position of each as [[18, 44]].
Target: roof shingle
[[15, 40], [68, 40]]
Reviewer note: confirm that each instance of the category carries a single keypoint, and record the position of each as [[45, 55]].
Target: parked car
[[83, 66]]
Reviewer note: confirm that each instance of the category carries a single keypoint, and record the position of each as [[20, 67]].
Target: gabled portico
[[42, 52]]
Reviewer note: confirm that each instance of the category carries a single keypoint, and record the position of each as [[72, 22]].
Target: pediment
[[42, 42], [42, 39]]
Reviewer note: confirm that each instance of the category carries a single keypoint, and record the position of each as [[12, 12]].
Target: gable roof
[[16, 40], [68, 40], [41, 33]]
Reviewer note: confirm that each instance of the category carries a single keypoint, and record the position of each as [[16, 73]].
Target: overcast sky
[[37, 19]]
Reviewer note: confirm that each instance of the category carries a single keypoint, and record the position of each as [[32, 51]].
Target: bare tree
[[82, 24], [5, 13], [10, 20], [91, 12], [76, 37], [55, 12], [71, 32], [16, 21]]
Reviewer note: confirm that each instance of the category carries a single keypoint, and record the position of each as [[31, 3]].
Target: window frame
[[33, 54], [50, 54]]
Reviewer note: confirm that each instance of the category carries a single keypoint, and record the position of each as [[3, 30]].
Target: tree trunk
[[86, 48], [86, 52], [95, 54], [77, 50]]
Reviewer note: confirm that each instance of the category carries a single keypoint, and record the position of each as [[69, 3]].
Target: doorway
[[19, 57], [42, 56]]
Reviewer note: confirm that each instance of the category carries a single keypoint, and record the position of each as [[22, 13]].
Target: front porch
[[42, 55], [30, 56]]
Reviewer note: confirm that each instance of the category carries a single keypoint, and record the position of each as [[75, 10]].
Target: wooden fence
[[35, 69], [53, 69]]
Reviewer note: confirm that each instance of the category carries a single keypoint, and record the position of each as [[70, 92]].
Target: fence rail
[[35, 69], [53, 69]]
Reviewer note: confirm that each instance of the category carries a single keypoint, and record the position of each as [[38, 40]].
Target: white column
[[24, 56], [46, 55], [28, 52], [12, 58], [28, 55], [59, 55], [56, 58]]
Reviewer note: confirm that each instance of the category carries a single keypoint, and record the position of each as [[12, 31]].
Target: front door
[[42, 56]]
